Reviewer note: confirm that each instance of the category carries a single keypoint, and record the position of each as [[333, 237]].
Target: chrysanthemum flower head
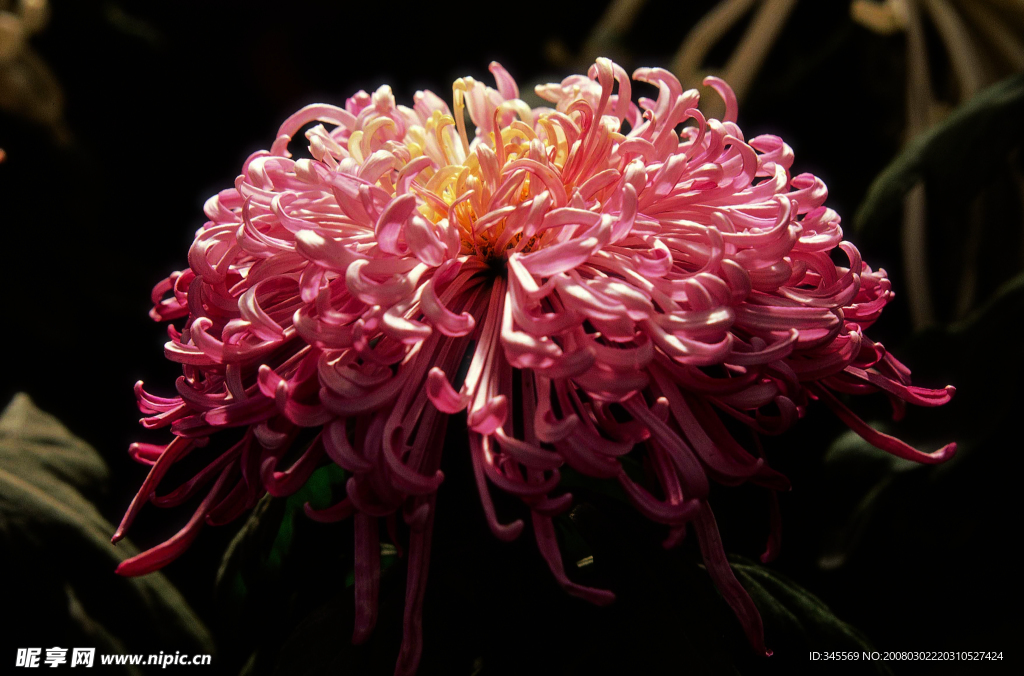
[[586, 282]]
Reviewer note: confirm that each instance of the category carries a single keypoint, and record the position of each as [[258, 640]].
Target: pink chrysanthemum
[[632, 281]]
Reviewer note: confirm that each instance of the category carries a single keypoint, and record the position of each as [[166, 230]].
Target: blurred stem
[[749, 56], [969, 279], [615, 22], [915, 259], [687, 63], [884, 19], [995, 32], [1014, 9], [34, 14], [958, 43], [919, 104], [1018, 182]]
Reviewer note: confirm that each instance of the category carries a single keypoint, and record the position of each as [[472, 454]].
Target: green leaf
[[58, 549], [957, 155], [248, 553], [796, 620], [861, 480], [258, 552], [271, 570]]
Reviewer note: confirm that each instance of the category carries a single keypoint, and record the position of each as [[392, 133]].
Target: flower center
[[497, 190]]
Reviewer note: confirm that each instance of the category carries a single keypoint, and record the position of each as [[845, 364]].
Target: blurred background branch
[[28, 88]]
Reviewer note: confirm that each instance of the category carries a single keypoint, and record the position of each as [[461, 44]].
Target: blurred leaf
[[868, 489], [985, 373], [866, 486], [861, 474], [856, 456], [42, 449], [272, 570], [796, 620], [246, 557], [708, 634], [58, 548], [262, 546], [1005, 310], [957, 155]]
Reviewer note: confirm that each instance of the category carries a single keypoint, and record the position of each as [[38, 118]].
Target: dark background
[[164, 101]]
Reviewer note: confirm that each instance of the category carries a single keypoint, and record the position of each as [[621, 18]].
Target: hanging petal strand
[[159, 556], [544, 530], [878, 439], [736, 596], [367, 575]]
